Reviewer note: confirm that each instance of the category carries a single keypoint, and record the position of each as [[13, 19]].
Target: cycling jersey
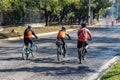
[[62, 34], [82, 34], [28, 33]]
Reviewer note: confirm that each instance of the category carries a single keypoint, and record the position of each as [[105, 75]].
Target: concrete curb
[[41, 34], [100, 72]]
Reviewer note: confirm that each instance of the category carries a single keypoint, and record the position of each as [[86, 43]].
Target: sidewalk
[[43, 34]]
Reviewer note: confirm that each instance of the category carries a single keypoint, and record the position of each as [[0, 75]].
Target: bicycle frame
[[60, 50], [27, 49]]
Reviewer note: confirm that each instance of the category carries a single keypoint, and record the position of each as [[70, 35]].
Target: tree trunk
[[97, 17], [46, 18]]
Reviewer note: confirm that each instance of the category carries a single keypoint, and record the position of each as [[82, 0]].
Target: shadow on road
[[63, 70]]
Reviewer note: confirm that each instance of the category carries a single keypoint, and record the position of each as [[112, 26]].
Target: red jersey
[[83, 33]]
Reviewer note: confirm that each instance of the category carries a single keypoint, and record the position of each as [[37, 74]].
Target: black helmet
[[83, 25], [29, 27], [63, 28]]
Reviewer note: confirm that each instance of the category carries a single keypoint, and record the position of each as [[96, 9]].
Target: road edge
[[41, 34], [102, 69]]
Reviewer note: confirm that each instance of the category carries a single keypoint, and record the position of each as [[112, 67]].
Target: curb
[[100, 72], [41, 34]]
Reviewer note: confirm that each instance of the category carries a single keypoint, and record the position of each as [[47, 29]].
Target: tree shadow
[[63, 70], [11, 59]]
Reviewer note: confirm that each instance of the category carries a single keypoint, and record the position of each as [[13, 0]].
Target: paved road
[[104, 47]]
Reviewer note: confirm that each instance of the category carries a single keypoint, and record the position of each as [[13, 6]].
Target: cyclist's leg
[[31, 42], [26, 41], [63, 47], [79, 46]]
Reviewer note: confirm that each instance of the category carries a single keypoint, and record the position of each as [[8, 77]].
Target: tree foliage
[[51, 9]]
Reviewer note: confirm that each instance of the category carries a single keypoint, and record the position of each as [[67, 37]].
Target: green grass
[[113, 73], [6, 33]]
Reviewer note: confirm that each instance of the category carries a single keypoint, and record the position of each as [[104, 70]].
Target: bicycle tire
[[25, 53], [83, 53], [26, 50], [34, 48], [59, 53]]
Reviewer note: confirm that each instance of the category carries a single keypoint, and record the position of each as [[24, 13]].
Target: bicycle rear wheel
[[25, 52], [59, 53], [83, 54]]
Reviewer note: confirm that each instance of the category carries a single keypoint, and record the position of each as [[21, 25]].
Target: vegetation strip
[[113, 73]]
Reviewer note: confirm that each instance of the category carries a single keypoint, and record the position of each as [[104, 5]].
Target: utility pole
[[89, 18]]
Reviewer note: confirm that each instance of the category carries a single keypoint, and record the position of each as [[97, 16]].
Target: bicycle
[[27, 50], [60, 50], [82, 53]]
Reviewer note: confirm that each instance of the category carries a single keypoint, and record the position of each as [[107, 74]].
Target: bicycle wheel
[[80, 57], [25, 53], [34, 48], [83, 54], [59, 53]]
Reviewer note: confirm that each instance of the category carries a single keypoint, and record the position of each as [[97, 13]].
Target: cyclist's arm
[[90, 35], [34, 34], [68, 35]]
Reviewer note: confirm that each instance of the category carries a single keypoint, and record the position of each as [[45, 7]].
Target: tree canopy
[[13, 11]]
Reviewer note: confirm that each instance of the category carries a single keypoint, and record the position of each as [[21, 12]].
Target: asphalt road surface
[[104, 47]]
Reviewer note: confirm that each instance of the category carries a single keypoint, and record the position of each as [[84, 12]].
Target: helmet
[[63, 28], [29, 27], [83, 25]]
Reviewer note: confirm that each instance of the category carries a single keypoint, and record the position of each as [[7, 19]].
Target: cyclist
[[28, 35], [61, 36], [83, 32]]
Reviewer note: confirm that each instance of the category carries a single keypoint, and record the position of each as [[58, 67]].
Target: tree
[[77, 9], [4, 7], [101, 7], [48, 7]]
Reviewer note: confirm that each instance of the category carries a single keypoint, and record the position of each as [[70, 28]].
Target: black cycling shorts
[[80, 44]]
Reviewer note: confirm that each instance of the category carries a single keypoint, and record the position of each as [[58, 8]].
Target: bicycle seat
[[58, 43]]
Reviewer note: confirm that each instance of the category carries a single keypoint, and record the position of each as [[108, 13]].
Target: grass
[[6, 33], [113, 73]]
